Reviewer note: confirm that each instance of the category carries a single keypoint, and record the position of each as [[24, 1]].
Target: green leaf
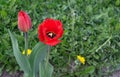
[[38, 54], [3, 13], [45, 70], [21, 59], [89, 70]]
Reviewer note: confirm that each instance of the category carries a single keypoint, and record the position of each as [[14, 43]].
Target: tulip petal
[[40, 33], [24, 21], [51, 25], [53, 42]]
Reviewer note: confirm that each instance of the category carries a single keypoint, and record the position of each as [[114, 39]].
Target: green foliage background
[[91, 29]]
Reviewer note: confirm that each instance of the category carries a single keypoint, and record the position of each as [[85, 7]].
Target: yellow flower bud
[[81, 59], [28, 52]]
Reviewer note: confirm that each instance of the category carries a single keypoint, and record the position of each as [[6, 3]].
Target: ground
[[20, 74], [17, 74]]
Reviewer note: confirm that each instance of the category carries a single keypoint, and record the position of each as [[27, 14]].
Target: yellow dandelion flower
[[28, 52], [81, 59]]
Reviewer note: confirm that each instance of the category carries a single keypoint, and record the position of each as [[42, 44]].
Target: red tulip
[[24, 21], [49, 31]]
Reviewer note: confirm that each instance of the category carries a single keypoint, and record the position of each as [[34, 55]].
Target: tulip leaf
[[21, 59], [38, 54], [45, 70]]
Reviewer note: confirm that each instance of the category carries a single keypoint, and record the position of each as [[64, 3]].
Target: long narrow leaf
[[38, 54], [21, 59], [45, 70]]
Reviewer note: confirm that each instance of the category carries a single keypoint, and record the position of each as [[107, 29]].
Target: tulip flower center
[[51, 34]]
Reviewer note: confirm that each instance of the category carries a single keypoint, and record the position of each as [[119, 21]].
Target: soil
[[20, 74], [116, 74], [16, 74]]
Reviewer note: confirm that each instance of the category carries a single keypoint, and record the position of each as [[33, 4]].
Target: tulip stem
[[48, 55], [47, 58], [26, 42]]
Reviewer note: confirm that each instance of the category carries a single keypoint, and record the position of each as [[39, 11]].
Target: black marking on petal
[[51, 35]]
